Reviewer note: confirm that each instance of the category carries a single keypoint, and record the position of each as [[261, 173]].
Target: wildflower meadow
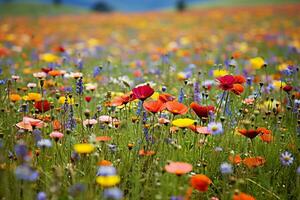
[[202, 104]]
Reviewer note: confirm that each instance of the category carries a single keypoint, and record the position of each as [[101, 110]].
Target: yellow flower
[[257, 62], [155, 96], [270, 105], [220, 72], [84, 148], [278, 84], [181, 76], [15, 97], [33, 97], [62, 100], [183, 123], [48, 57], [108, 181], [282, 67]]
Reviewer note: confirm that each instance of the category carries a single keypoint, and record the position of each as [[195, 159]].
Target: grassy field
[[161, 105]]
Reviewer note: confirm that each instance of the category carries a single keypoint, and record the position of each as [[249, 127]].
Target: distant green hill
[[36, 9]]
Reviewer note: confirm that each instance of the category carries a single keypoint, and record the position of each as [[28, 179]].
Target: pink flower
[[56, 135], [89, 122], [226, 82]]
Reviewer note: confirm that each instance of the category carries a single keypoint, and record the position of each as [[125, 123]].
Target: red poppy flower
[[251, 133], [287, 88], [178, 168], [237, 89], [142, 92], [201, 111], [46, 69], [226, 82], [200, 182], [42, 106], [239, 79], [176, 107], [166, 97], [153, 106], [88, 98]]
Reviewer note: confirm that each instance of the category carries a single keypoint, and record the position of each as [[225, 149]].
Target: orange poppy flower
[[242, 196], [54, 73], [104, 163], [266, 138], [153, 106], [142, 152], [165, 97], [117, 101], [263, 130], [56, 125], [237, 89], [103, 138], [239, 79], [235, 159], [178, 168], [200, 182], [252, 162], [176, 107]]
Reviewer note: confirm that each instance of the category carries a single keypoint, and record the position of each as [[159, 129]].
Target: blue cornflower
[[76, 189], [37, 133], [298, 170], [97, 71], [286, 158], [197, 96], [215, 128], [21, 150], [112, 193], [26, 173], [139, 108], [181, 95], [106, 171], [44, 143], [79, 64], [41, 196], [2, 82], [226, 168], [176, 198]]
